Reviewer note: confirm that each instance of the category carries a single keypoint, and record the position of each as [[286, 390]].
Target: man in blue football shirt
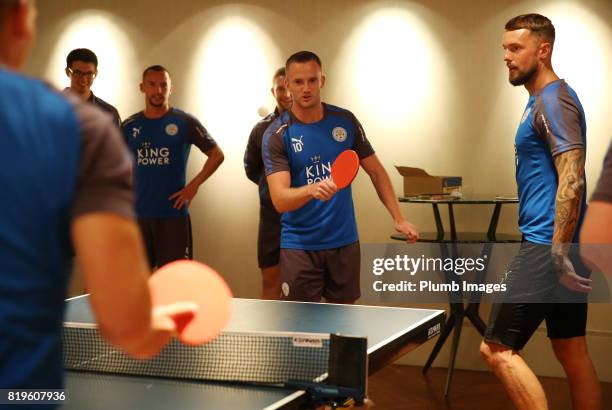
[[268, 237], [319, 242], [160, 138], [550, 149], [66, 180]]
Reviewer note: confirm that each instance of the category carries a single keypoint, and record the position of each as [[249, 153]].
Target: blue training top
[[307, 151], [161, 148], [553, 123], [61, 159]]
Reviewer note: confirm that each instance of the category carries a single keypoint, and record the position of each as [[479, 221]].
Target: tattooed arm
[[570, 170]]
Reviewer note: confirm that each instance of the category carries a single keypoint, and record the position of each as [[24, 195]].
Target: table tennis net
[[259, 357]]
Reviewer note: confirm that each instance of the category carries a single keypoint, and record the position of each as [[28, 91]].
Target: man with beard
[[160, 138], [550, 149], [268, 238]]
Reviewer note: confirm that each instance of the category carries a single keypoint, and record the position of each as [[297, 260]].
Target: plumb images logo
[[406, 265]]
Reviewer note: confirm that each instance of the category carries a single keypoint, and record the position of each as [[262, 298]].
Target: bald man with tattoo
[[550, 147]]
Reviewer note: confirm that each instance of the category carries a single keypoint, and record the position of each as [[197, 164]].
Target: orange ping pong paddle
[[191, 281], [345, 168]]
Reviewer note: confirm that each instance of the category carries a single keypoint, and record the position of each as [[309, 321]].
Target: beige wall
[[426, 79]]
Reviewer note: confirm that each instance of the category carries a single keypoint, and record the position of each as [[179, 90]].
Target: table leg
[[472, 314], [453, 354], [448, 327], [451, 218], [439, 226], [494, 220], [471, 310]]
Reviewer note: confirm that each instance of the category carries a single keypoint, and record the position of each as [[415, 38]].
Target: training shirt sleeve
[[105, 181], [253, 165], [123, 129], [198, 135], [361, 145], [116, 117], [106, 107], [127, 128], [558, 120], [603, 191], [273, 150]]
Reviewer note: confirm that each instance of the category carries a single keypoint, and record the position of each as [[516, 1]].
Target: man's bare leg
[[520, 382], [584, 384]]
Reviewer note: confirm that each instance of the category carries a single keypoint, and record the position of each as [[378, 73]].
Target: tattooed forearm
[[570, 168]]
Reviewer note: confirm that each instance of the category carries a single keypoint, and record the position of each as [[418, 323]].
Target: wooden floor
[[405, 388]]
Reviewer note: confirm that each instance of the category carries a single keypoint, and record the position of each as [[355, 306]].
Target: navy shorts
[[268, 238], [332, 274], [166, 239]]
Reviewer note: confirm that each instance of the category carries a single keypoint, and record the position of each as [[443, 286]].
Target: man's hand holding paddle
[[323, 190], [343, 172], [191, 299], [167, 321]]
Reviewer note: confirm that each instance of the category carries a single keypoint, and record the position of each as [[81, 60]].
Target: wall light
[[97, 31], [232, 74], [390, 63]]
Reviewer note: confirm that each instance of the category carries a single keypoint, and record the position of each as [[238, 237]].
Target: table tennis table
[[391, 332]]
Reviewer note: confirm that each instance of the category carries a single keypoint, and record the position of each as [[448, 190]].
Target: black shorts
[[268, 238], [532, 277], [513, 324], [333, 274], [166, 239]]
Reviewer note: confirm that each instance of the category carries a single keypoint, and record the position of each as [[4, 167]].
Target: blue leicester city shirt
[[160, 148], [34, 235], [60, 159], [553, 122], [307, 152]]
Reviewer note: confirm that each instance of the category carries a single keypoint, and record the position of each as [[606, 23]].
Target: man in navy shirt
[[160, 138], [66, 180], [550, 149], [268, 238], [82, 69], [319, 241]]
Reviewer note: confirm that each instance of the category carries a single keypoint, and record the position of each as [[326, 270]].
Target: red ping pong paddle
[[345, 168], [190, 281]]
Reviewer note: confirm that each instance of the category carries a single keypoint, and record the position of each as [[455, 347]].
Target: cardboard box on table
[[418, 182]]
